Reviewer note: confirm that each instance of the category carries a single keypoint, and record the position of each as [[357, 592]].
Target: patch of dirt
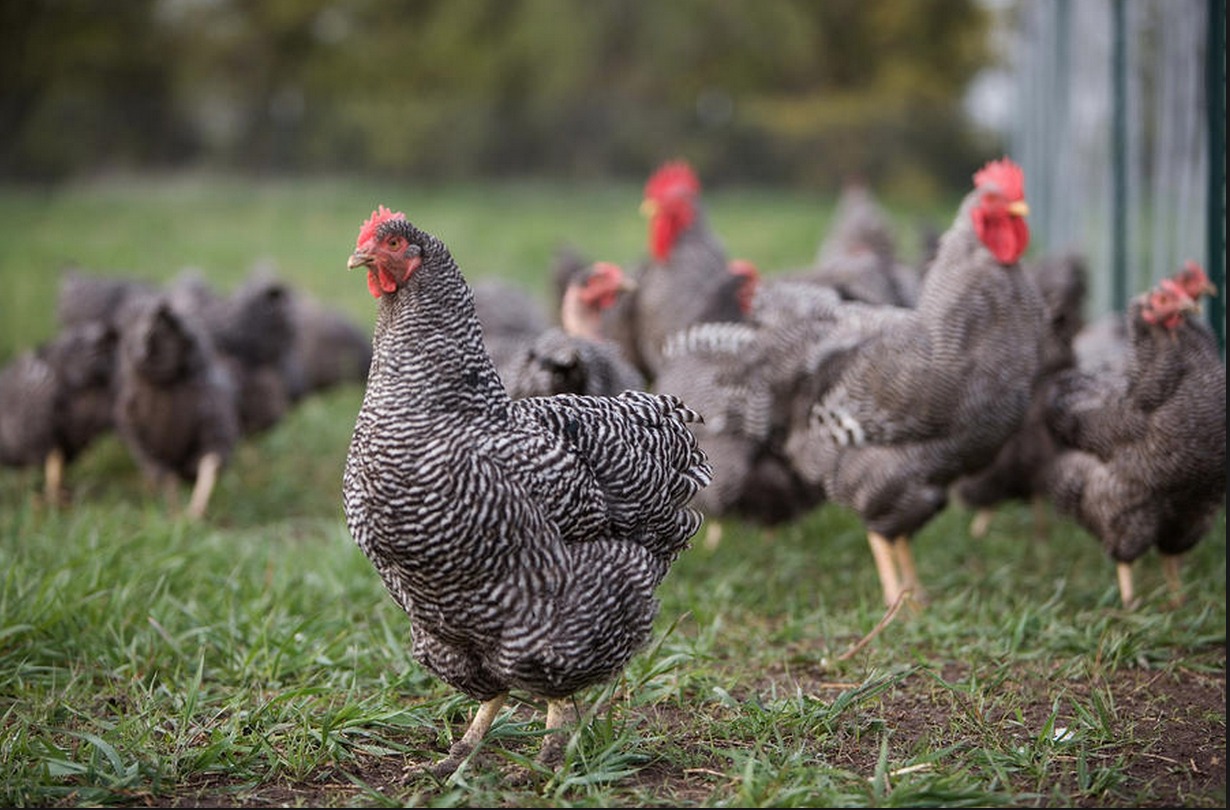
[[1170, 728]]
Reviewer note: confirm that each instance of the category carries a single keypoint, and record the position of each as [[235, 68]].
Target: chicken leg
[[886, 566], [1170, 568], [53, 477], [560, 714], [206, 477], [1127, 592], [457, 753]]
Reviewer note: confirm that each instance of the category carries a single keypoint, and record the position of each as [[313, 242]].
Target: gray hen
[[1143, 454], [175, 405], [1020, 468], [908, 400], [576, 357], [56, 399], [523, 538]]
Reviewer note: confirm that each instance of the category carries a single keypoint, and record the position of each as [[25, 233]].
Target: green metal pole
[[1215, 60], [1118, 171]]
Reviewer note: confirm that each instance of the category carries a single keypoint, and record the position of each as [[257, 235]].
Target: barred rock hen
[[575, 357], [523, 538], [175, 406], [858, 256], [56, 399], [1143, 455], [909, 399], [1020, 468], [685, 279]]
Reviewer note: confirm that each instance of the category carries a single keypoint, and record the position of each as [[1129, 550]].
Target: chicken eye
[[395, 243]]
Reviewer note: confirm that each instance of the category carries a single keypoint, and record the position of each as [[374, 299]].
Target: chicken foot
[[461, 749]]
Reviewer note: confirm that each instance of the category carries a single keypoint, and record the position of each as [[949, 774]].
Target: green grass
[[254, 659]]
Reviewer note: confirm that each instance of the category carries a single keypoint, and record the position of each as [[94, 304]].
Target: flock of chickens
[[523, 481], [523, 484], [179, 372]]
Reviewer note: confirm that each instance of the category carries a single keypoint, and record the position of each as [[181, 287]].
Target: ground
[[1173, 743]]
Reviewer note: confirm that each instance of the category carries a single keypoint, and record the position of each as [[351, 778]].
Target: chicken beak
[[1020, 208], [649, 208], [359, 258], [627, 284]]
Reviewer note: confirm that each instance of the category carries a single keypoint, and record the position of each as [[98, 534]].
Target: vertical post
[[1118, 166], [1215, 93]]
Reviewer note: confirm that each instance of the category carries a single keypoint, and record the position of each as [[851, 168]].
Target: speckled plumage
[[175, 400], [524, 538], [911, 398], [1143, 461], [1020, 467], [57, 397]]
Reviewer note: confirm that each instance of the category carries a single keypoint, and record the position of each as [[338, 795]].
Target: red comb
[[380, 216], [672, 178], [1004, 175]]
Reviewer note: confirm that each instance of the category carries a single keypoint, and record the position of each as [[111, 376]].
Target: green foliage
[[793, 91]]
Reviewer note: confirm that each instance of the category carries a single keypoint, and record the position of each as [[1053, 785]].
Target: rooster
[[686, 279], [523, 538], [1143, 451], [908, 399]]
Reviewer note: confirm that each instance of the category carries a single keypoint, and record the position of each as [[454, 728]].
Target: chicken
[[1019, 469], [56, 399], [1143, 456], [685, 279], [906, 400], [858, 256], [510, 318], [84, 297], [329, 348], [175, 407], [253, 329], [575, 357], [523, 538], [742, 378]]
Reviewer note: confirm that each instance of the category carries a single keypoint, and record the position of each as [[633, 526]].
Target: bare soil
[[1173, 729]]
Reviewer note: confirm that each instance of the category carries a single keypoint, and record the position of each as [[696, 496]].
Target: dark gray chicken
[[85, 297], [56, 399], [253, 330], [744, 378], [1143, 455], [858, 256], [576, 357], [175, 407], [523, 538], [329, 348], [510, 317], [686, 278], [909, 399], [1019, 470]]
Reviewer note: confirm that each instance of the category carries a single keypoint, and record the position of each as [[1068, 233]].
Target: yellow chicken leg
[[457, 753], [560, 714], [909, 574], [1127, 592], [1171, 564], [53, 477], [206, 477], [886, 567]]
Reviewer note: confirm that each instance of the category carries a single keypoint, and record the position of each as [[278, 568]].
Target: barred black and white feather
[[524, 538]]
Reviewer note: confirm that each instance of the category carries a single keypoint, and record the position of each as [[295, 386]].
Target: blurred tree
[[84, 85], [790, 91]]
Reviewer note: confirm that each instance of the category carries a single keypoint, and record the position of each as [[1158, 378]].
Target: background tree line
[[785, 91]]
